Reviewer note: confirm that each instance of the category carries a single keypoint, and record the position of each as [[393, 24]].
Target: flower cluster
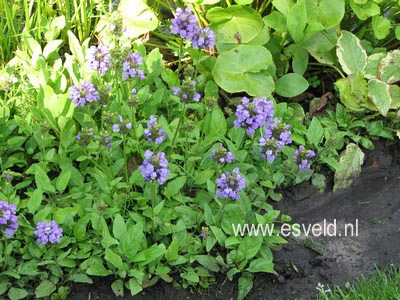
[[222, 155], [7, 81], [254, 115], [8, 218], [155, 167], [230, 184], [301, 157], [105, 140], [83, 94], [85, 136], [187, 91], [121, 126], [154, 132], [130, 66], [275, 137], [98, 59], [185, 25], [48, 232]]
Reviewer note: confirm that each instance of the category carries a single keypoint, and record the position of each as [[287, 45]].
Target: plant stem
[[153, 205], [5, 254], [220, 213]]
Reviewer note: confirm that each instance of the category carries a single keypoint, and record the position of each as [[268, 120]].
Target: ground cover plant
[[130, 143]]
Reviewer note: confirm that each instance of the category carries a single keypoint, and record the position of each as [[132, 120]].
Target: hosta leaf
[[233, 20], [379, 93], [244, 69], [351, 54], [326, 12], [350, 163]]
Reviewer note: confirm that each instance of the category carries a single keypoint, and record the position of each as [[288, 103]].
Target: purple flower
[[254, 115], [83, 94], [98, 58], [221, 155], [48, 232], [185, 24], [134, 91], [115, 128], [154, 167], [230, 184], [275, 137], [8, 218], [128, 126], [203, 39], [130, 66], [154, 132], [187, 91], [301, 157]]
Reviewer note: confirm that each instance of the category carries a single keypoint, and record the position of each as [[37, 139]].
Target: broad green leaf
[[243, 2], [326, 12], [350, 162], [42, 180], [76, 48], [134, 286], [62, 213], [174, 186], [98, 270], [276, 21], [150, 254], [35, 200], [374, 60], [233, 20], [114, 259], [215, 123], [63, 180], [154, 62], [137, 17], [250, 245], [119, 227], [118, 288], [351, 54], [245, 285], [261, 265], [381, 27], [80, 278], [395, 92], [46, 288], [243, 69], [297, 20], [379, 93], [202, 176], [290, 85], [389, 67], [366, 10], [315, 132], [208, 262], [283, 6], [16, 293], [320, 42]]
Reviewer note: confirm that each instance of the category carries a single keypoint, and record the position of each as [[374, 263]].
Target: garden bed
[[373, 200]]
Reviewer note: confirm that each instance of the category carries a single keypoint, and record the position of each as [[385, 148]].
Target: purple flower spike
[[155, 167], [254, 115], [98, 59], [8, 218], [83, 94], [301, 157], [222, 155], [230, 184], [185, 23], [130, 67], [48, 232], [154, 132]]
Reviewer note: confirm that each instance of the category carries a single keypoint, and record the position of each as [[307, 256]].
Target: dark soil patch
[[373, 200]]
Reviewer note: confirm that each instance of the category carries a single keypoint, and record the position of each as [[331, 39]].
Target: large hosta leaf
[[350, 163], [351, 54], [233, 22], [327, 12], [379, 93], [244, 69]]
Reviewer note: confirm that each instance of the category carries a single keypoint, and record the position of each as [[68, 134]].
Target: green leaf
[[174, 186], [134, 286], [350, 162], [351, 54], [243, 2], [215, 124], [202, 176], [261, 265], [80, 278], [381, 27], [76, 48], [118, 288], [250, 246], [119, 227], [379, 93], [208, 262], [35, 200], [315, 132], [233, 20], [62, 213], [63, 180], [46, 288], [283, 6], [364, 11], [276, 21], [16, 294], [290, 85], [245, 285], [297, 20], [173, 250], [150, 254], [42, 180], [154, 62], [244, 68], [326, 12], [114, 259], [98, 269]]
